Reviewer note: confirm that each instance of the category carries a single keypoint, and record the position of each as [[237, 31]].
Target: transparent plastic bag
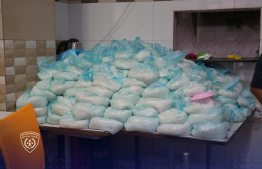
[[242, 101], [51, 117], [137, 90], [82, 111], [145, 73], [125, 63], [210, 130], [74, 69], [214, 115], [159, 104], [200, 106], [60, 108], [70, 76], [68, 121], [175, 129], [44, 84], [99, 90], [143, 124], [104, 124], [41, 111], [58, 87], [156, 90], [141, 55], [130, 97], [172, 116], [89, 97], [41, 119], [133, 82], [35, 100], [178, 80], [73, 91], [46, 93], [193, 88], [145, 111], [120, 115]]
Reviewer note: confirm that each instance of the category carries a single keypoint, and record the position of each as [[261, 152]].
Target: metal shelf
[[212, 60]]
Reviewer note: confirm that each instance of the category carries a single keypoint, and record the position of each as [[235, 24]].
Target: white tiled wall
[[62, 20]]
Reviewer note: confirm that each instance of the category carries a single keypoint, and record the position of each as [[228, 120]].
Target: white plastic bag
[[122, 55], [58, 87], [44, 84], [41, 111], [74, 69], [145, 111], [82, 111], [27, 98], [228, 93], [41, 119], [156, 90], [130, 97], [172, 116], [125, 63], [144, 124], [175, 84], [200, 106], [99, 90], [120, 115], [88, 97], [133, 82], [66, 76], [175, 129], [104, 124], [73, 91], [193, 88], [68, 121], [159, 104], [210, 130], [113, 85], [41, 92], [141, 55], [47, 74], [137, 90], [60, 109], [215, 115]]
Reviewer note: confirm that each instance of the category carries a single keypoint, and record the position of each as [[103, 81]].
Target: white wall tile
[[215, 4], [1, 44], [62, 20], [99, 18], [10, 97], [9, 44], [2, 80], [10, 70], [87, 45], [20, 61], [75, 24], [50, 44], [167, 44], [248, 3], [31, 44]]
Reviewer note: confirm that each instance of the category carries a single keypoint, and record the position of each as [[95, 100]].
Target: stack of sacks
[[155, 99], [230, 94], [134, 83], [209, 123], [174, 121], [58, 108], [39, 103]]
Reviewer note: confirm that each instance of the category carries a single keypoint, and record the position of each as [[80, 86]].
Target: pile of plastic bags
[[137, 86]]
